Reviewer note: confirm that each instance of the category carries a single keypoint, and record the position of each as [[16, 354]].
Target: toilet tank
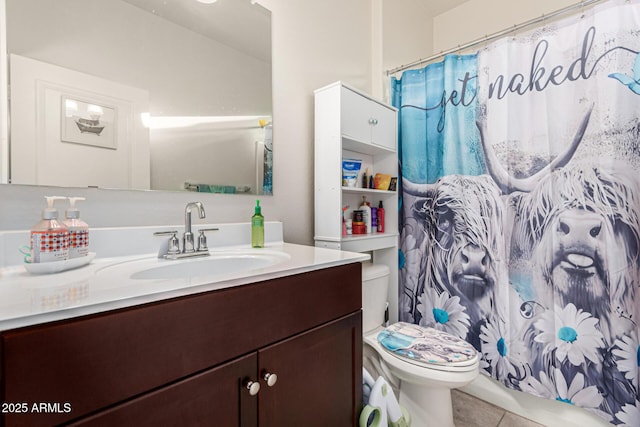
[[375, 286]]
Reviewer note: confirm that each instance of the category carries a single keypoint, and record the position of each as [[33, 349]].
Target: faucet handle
[[165, 233], [202, 239], [172, 246]]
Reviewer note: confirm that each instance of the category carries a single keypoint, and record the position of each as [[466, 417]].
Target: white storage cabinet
[[352, 124]]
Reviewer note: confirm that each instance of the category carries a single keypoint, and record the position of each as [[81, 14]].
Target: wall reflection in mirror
[[140, 94]]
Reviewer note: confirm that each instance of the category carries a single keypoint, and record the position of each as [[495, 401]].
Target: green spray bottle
[[257, 228]]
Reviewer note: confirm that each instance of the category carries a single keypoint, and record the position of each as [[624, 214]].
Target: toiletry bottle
[[344, 223], [366, 214], [49, 238], [374, 219], [78, 230], [380, 218], [365, 178], [257, 228]]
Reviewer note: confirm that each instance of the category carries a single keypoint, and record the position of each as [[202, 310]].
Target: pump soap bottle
[[49, 238], [257, 227], [78, 230]]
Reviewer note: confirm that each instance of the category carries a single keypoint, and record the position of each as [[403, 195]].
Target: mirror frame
[[4, 98]]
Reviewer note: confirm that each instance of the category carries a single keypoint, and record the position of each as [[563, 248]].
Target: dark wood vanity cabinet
[[187, 361]]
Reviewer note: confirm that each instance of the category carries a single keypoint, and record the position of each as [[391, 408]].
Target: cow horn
[[418, 190], [509, 184]]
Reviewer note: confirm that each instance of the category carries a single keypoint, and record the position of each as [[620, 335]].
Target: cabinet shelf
[[369, 236], [369, 242], [351, 144], [360, 242], [357, 190]]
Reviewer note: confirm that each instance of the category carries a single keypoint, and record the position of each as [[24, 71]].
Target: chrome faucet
[[171, 249], [187, 237]]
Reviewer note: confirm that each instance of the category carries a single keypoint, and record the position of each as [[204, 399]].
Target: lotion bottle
[[366, 214], [257, 227], [78, 230], [49, 237]]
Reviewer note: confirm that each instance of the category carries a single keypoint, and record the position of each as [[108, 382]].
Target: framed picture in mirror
[[88, 123]]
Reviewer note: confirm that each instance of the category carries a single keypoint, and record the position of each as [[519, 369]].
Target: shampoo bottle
[[257, 227], [78, 230], [49, 238], [366, 214], [380, 218]]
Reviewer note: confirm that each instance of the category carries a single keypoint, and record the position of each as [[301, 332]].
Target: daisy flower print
[[502, 349], [627, 355], [570, 333], [443, 312], [629, 415], [556, 387]]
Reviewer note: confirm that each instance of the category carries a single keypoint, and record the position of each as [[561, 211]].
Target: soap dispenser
[[257, 227], [78, 230], [49, 237]]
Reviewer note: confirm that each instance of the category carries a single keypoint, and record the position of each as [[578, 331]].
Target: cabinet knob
[[252, 386], [269, 378], [373, 121]]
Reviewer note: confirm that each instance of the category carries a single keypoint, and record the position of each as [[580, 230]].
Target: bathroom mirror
[[140, 94]]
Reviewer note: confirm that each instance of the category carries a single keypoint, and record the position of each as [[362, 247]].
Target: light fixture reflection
[[173, 122], [70, 107]]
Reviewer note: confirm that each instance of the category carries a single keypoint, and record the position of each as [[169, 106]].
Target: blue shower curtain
[[520, 207]]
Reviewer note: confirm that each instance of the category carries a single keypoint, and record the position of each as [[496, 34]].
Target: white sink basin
[[208, 266], [220, 263]]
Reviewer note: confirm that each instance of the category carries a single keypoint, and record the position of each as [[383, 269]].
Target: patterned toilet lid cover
[[424, 344]]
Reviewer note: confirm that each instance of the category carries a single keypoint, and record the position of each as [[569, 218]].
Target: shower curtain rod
[[495, 35]]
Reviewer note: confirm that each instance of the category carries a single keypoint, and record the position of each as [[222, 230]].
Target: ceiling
[[236, 23], [436, 7]]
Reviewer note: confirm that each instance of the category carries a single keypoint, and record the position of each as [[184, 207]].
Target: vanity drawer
[[97, 361]]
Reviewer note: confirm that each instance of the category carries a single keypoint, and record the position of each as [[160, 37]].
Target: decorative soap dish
[[59, 266]]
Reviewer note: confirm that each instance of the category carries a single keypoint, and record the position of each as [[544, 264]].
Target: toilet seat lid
[[425, 345]]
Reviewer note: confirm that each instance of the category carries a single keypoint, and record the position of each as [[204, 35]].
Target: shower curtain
[[520, 207]]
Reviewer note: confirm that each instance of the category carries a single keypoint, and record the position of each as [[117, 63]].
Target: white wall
[[477, 18], [408, 32]]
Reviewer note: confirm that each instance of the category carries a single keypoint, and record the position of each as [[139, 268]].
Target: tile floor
[[469, 411]]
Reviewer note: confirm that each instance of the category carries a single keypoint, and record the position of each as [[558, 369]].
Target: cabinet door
[[383, 128], [319, 377], [355, 116], [213, 398]]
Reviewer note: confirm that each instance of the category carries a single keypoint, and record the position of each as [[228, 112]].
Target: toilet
[[423, 379]]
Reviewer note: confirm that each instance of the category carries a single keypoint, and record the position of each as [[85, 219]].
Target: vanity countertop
[[27, 299]]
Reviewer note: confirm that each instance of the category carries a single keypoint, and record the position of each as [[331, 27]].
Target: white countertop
[[105, 284]]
